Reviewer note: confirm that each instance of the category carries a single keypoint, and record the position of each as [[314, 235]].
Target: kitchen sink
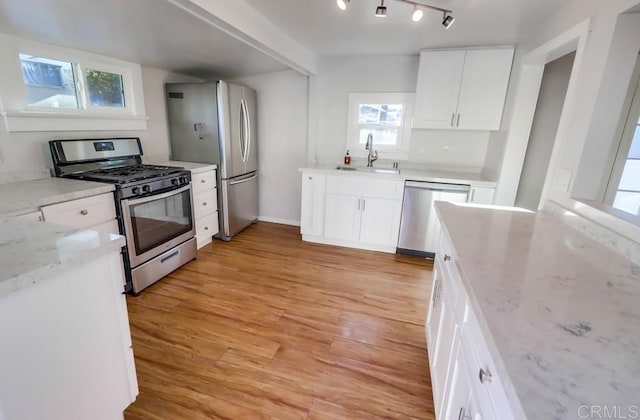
[[366, 169]]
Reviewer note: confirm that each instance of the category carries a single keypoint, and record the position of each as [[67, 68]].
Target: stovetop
[[128, 174]]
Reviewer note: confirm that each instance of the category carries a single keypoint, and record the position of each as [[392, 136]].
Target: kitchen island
[[66, 345], [547, 319]]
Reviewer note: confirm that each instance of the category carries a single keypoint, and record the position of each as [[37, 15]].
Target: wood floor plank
[[268, 326]]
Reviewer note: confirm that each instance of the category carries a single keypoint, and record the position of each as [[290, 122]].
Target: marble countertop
[[34, 251], [560, 312], [474, 179], [194, 167], [31, 252], [25, 196]]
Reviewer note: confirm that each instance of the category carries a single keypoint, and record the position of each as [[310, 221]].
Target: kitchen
[[274, 323]]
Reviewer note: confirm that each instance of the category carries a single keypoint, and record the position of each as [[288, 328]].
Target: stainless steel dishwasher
[[419, 226]]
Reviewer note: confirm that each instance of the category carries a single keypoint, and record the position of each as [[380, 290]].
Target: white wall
[[282, 142], [25, 153], [338, 76], [583, 118], [553, 90]]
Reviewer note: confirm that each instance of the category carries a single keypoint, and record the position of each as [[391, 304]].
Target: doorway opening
[[544, 128]]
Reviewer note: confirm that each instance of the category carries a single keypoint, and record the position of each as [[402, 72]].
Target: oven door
[[157, 223]]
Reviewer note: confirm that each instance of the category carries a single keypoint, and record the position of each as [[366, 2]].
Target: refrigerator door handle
[[242, 129], [242, 180], [248, 130]]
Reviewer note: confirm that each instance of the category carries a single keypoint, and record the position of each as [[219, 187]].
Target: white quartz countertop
[[31, 252], [194, 167], [445, 176], [560, 312], [34, 251], [25, 196]]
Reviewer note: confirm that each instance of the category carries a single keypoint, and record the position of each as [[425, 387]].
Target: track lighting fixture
[[416, 15], [381, 11], [447, 20], [342, 4]]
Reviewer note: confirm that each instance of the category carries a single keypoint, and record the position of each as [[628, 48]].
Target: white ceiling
[[326, 30], [153, 33], [158, 33]]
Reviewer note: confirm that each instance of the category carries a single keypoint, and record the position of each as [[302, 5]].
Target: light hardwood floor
[[268, 326]]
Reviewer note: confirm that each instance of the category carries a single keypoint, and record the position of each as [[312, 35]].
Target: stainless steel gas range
[[154, 204]]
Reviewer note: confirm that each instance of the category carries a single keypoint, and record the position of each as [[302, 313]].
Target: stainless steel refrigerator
[[215, 122]]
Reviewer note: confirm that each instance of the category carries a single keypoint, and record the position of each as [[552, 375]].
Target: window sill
[[24, 121]]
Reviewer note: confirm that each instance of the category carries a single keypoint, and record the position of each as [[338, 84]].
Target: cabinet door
[[312, 209], [342, 217], [380, 222], [439, 77], [462, 403], [484, 87], [480, 195]]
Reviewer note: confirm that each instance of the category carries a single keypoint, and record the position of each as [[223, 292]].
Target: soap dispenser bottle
[[347, 158]]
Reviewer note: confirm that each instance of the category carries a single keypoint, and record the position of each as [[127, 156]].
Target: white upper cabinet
[[462, 89]]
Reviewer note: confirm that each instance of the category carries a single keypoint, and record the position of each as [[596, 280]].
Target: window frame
[[19, 116], [401, 150]]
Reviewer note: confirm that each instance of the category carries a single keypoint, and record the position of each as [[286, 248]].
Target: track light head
[[381, 11], [417, 14], [447, 20], [342, 4]]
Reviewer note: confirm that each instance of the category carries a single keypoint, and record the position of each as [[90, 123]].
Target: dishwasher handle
[[437, 186]]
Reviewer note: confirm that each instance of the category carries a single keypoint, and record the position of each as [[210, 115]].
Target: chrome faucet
[[370, 157]]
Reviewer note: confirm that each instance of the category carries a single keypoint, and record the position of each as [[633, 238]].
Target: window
[[624, 183], [383, 115], [52, 83], [105, 89], [628, 194], [48, 83]]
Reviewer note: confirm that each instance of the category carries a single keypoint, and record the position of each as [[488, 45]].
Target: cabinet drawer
[[35, 216], [82, 213], [480, 360], [206, 227], [205, 203], [203, 181], [365, 187], [447, 261]]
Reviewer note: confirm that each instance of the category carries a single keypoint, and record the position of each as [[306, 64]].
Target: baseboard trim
[[279, 221], [349, 244]]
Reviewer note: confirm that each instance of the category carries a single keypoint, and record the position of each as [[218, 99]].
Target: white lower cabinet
[[97, 212], [66, 346], [463, 375], [205, 203], [357, 212], [312, 207]]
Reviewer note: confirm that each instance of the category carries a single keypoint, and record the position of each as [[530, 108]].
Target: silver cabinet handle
[[84, 212], [453, 116], [310, 178], [364, 203], [206, 228], [447, 257], [463, 415], [358, 204], [458, 122], [485, 376], [203, 181], [204, 203]]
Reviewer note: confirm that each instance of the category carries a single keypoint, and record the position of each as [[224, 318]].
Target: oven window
[[158, 221]]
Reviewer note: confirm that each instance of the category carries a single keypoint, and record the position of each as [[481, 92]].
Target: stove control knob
[[135, 190], [184, 180], [175, 181], [146, 188]]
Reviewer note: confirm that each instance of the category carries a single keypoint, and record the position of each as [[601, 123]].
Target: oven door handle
[[156, 197]]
